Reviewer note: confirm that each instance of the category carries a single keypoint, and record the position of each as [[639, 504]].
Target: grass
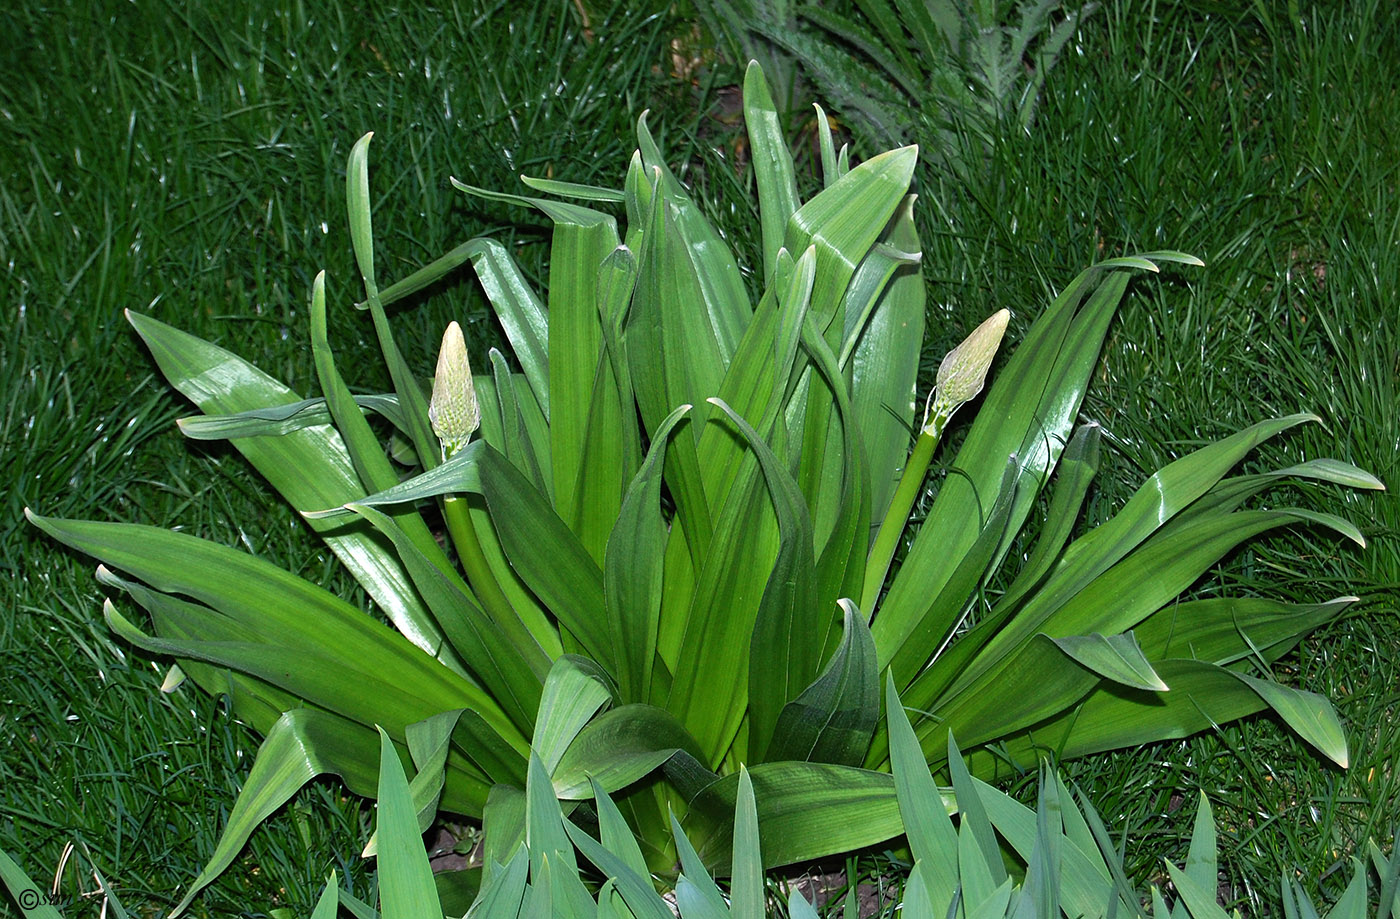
[[200, 177]]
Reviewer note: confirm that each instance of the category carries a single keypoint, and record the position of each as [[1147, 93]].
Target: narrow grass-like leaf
[[22, 889], [641, 897], [772, 164], [1199, 900], [932, 838], [633, 568], [328, 904], [406, 889], [614, 833], [746, 881], [503, 895], [544, 823]]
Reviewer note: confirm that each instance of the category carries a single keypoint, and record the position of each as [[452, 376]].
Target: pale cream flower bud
[[453, 410], [963, 372]]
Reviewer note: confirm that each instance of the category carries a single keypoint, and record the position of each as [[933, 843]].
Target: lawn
[[190, 164]]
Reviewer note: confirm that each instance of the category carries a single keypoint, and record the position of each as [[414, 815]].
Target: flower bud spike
[[963, 372], [453, 410]]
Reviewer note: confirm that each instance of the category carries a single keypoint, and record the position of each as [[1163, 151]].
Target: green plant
[[673, 483], [926, 71]]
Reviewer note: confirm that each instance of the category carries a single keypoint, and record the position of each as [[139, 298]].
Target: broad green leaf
[[300, 746], [918, 902], [1027, 413], [844, 221], [620, 747], [1227, 630], [406, 889], [309, 467], [699, 254], [503, 830], [805, 811], [521, 314], [1113, 657], [20, 886], [280, 608], [782, 654], [429, 742], [832, 720], [772, 165], [574, 190], [573, 694], [884, 363], [367, 455], [506, 659], [1309, 714]]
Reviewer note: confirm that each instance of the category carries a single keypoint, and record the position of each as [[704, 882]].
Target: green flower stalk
[[455, 416], [961, 376]]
